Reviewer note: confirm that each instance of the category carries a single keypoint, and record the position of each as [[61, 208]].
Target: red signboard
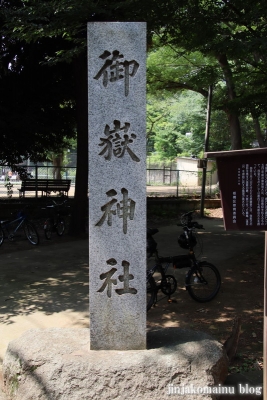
[[243, 184]]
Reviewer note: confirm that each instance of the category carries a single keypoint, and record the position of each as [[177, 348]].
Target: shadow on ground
[[47, 286]]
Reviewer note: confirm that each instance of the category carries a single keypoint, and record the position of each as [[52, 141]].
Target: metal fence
[[182, 182], [160, 182], [10, 182]]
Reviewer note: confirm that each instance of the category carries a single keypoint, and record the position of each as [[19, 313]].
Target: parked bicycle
[[10, 227], [55, 221], [202, 280]]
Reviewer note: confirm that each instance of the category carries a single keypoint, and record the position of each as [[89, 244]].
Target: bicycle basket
[[182, 261]]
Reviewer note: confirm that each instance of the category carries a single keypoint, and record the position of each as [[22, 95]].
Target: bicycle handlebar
[[189, 223]]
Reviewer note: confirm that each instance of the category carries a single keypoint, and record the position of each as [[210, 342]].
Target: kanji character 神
[[125, 210]]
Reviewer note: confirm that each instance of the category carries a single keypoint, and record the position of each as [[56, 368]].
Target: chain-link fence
[[10, 182], [181, 182], [164, 181]]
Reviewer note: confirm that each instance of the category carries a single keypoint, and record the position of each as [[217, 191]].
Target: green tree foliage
[[62, 24], [171, 117], [233, 35], [176, 124], [173, 69], [37, 112], [56, 34]]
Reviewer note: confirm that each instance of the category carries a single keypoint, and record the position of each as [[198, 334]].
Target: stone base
[[58, 364]]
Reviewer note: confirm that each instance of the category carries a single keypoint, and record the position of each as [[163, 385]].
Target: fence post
[[165, 175], [177, 182], [36, 177], [210, 181]]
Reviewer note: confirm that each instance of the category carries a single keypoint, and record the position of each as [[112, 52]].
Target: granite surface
[[117, 184]]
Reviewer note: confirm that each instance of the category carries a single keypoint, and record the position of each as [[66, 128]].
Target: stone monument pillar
[[117, 185]]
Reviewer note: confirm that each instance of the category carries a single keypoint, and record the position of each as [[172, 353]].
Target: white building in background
[[191, 175]]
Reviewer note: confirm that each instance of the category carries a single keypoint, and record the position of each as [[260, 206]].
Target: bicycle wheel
[[31, 233], [203, 282], [150, 292], [60, 226], [168, 285], [48, 228], [2, 236]]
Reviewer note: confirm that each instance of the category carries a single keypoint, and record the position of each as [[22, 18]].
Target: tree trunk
[[235, 131], [233, 118], [80, 209], [259, 136], [57, 161]]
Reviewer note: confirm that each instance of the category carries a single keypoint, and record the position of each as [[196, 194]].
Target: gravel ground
[[215, 212]]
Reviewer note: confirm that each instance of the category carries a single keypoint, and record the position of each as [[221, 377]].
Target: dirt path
[[241, 295], [48, 286]]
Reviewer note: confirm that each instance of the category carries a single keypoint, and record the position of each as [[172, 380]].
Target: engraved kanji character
[[107, 276], [116, 143], [125, 278], [114, 69], [126, 209], [107, 209]]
